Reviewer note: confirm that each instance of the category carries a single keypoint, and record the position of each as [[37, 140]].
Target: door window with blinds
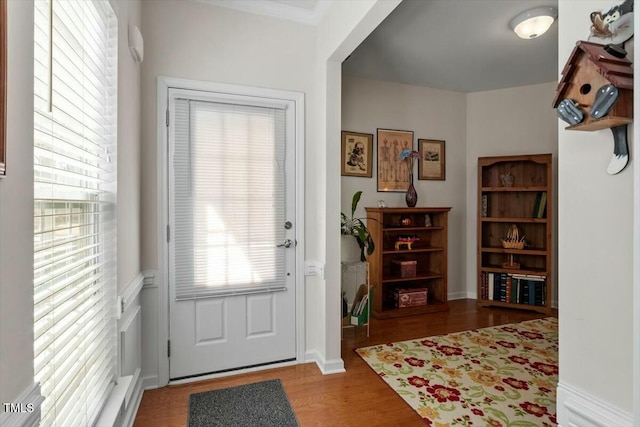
[[75, 87], [227, 176]]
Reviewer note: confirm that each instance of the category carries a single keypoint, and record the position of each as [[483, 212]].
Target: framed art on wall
[[357, 154], [432, 159], [393, 173]]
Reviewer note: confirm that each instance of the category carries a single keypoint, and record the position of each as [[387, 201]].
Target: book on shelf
[[536, 205], [490, 288], [503, 288], [542, 212], [542, 209], [515, 288], [540, 205]]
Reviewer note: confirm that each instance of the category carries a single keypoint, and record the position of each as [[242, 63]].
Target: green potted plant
[[350, 226]]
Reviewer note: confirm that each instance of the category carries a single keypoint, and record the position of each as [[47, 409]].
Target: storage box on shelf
[[404, 268], [411, 297], [515, 275], [409, 256]]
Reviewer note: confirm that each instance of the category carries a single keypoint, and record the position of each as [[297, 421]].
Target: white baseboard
[[334, 366], [25, 411], [461, 295], [150, 382], [577, 408]]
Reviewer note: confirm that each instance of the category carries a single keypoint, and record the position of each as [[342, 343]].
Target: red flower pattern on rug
[[498, 376]]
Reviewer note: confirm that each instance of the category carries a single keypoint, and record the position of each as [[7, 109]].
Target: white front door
[[232, 233]]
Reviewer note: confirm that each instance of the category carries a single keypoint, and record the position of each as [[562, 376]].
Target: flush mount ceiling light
[[534, 22]]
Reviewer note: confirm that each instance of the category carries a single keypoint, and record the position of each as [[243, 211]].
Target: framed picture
[[357, 154], [393, 173], [432, 159], [3, 86]]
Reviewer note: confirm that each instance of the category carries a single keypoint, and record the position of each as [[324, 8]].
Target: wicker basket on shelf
[[513, 239]]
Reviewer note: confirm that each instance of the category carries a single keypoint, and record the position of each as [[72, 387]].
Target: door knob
[[287, 244]]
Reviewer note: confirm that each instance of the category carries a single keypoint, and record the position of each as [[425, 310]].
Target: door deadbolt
[[288, 225]]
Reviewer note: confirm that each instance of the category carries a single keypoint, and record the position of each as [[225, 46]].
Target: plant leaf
[[370, 245], [354, 202]]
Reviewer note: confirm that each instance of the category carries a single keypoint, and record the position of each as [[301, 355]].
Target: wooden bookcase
[[386, 225], [516, 278]]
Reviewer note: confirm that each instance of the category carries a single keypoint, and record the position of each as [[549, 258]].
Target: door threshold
[[233, 371]]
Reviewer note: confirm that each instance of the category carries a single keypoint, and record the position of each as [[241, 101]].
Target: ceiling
[[459, 45]]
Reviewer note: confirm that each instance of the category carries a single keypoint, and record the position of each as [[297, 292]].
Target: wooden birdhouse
[[589, 69]]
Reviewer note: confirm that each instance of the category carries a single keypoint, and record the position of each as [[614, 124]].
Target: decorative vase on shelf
[[412, 196]]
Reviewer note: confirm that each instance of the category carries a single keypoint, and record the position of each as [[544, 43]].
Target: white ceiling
[[460, 45]]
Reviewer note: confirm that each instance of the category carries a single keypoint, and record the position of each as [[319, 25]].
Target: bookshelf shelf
[[515, 219], [405, 229], [542, 252], [417, 277], [428, 257], [515, 278], [515, 189], [412, 251]]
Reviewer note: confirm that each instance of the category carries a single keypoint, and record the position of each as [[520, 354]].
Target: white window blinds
[[75, 66], [228, 198]]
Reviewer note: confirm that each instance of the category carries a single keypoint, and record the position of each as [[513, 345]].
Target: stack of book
[[514, 288]]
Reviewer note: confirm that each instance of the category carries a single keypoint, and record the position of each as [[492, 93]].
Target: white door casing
[[206, 318]]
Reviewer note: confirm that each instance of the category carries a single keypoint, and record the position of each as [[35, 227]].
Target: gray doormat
[[259, 404]]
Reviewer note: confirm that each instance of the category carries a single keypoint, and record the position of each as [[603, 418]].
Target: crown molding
[[303, 15]]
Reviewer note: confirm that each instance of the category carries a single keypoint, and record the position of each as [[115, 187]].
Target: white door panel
[[228, 331], [232, 299]]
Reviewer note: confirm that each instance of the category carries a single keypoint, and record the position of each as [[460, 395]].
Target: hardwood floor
[[355, 398]]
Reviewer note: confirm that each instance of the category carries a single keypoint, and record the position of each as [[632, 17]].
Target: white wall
[[16, 210], [595, 246], [129, 146], [345, 25], [204, 42], [430, 114], [16, 191], [504, 122]]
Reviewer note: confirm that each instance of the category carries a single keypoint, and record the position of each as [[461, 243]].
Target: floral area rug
[[499, 376]]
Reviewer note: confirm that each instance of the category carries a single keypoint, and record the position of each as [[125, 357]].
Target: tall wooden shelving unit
[[430, 254], [515, 204]]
